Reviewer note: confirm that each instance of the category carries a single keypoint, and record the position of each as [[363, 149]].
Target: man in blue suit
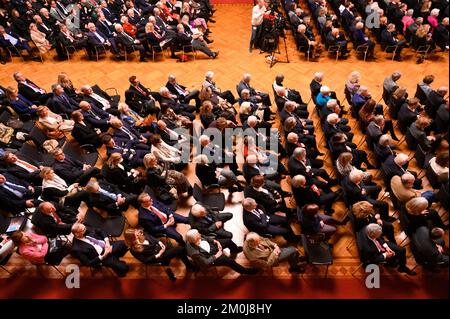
[[158, 219], [360, 38], [97, 38], [9, 38]]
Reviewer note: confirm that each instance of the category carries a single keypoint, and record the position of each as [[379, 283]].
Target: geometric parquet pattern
[[231, 36]]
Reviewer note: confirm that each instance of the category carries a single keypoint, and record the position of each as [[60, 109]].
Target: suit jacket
[[47, 31], [205, 225], [174, 91], [91, 118], [405, 117], [353, 192], [117, 176], [22, 106], [420, 137], [28, 92], [49, 226], [200, 257], [93, 40], [261, 258], [249, 172], [69, 170], [206, 174], [433, 102], [104, 28], [391, 169], [267, 201], [441, 119], [85, 252], [104, 202], [147, 256], [85, 134], [6, 43], [424, 248], [387, 38], [242, 85], [369, 251], [305, 195], [22, 173], [126, 41], [359, 37], [151, 222], [374, 132], [10, 202], [296, 167], [63, 104], [254, 223]]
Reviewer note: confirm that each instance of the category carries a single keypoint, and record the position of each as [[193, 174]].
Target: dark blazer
[[23, 174], [86, 253], [103, 202], [138, 94], [296, 167], [101, 123], [29, 93], [424, 248], [127, 42], [249, 172], [48, 225], [117, 176], [433, 102], [173, 90], [147, 256], [205, 225], [391, 169], [387, 38], [152, 223], [206, 174], [353, 192], [373, 132], [85, 134], [368, 250], [242, 85], [9, 201], [201, 257], [69, 170], [305, 195], [441, 119], [22, 106], [93, 40], [266, 201], [254, 223], [63, 104], [104, 28], [405, 118], [420, 137]]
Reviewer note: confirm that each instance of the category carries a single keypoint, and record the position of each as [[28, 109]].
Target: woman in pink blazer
[[32, 247]]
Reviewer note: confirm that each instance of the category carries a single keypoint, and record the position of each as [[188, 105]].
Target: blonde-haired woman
[[66, 83], [365, 214], [55, 189], [418, 214], [117, 173], [159, 177], [39, 39], [53, 122]]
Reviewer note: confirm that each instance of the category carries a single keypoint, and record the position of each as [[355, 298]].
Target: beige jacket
[[261, 258]]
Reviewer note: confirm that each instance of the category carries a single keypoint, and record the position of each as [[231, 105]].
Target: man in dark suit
[[206, 251], [73, 170], [54, 220], [335, 38], [299, 164], [270, 199], [97, 39], [398, 165], [105, 25], [435, 99], [11, 39], [159, 220], [96, 96], [61, 103], [360, 38], [141, 99], [48, 30], [256, 220], [107, 11], [211, 223], [259, 96], [30, 90], [311, 194], [128, 137], [84, 132], [428, 247], [132, 157], [95, 116], [130, 43], [93, 248], [182, 93], [108, 198], [388, 39], [24, 169], [355, 192], [16, 195], [374, 249], [67, 38], [171, 100], [440, 34]]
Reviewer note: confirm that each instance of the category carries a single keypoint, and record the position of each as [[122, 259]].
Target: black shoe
[[398, 58], [173, 56], [391, 219], [333, 182], [345, 220], [297, 269], [329, 211], [233, 189], [170, 274], [208, 41], [407, 271], [215, 54], [212, 20], [143, 60], [395, 138], [302, 259], [238, 172]]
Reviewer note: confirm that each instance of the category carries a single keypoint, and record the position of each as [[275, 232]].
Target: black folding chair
[[214, 200], [112, 226], [317, 251]]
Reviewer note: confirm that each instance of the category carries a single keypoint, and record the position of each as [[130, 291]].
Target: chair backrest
[[404, 220], [443, 197], [30, 152], [420, 94], [38, 136], [197, 193], [421, 157]]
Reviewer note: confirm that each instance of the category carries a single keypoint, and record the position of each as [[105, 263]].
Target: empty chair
[[113, 225], [215, 201], [317, 251]]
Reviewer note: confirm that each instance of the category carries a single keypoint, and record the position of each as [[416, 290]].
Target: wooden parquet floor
[[231, 35]]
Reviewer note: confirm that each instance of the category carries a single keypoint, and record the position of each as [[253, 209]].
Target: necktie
[[108, 194], [140, 90], [160, 214], [103, 101], [124, 129], [381, 249], [45, 27], [27, 166], [94, 115], [56, 218], [95, 241]]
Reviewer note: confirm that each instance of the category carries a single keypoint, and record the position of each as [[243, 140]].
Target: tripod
[[273, 59]]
